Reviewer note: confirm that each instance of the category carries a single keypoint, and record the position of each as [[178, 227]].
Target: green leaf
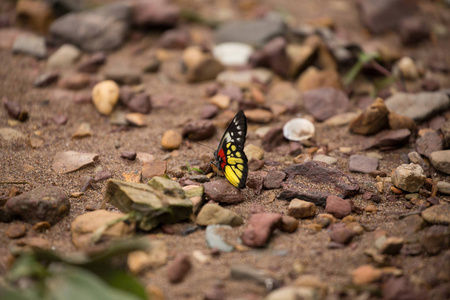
[[26, 266], [125, 282], [363, 58], [16, 294], [76, 283]]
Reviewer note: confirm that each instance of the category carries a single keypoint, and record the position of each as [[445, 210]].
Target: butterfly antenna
[[201, 144]]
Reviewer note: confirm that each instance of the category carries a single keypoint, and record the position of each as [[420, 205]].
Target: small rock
[[259, 229], [212, 214], [154, 257], [341, 234], [130, 155], [409, 178], [323, 103], [441, 161], [92, 63], [362, 164], [288, 224], [371, 208], [209, 111], [30, 45], [10, 134], [273, 179], [136, 119], [140, 103], [259, 115], [123, 74], [418, 106], [46, 79], [215, 236], [443, 187], [223, 192], [221, 101], [83, 130], [42, 226], [158, 13], [200, 66], [153, 168], [428, 143], [15, 110], [392, 245], [74, 81], [41, 204], [216, 292], [397, 121], [366, 274], [437, 214], [69, 161], [325, 158], [390, 139], [413, 30], [313, 78], [16, 231], [171, 140], [105, 95], [338, 207], [199, 130], [60, 119], [342, 119], [178, 268], [301, 209], [407, 69], [253, 152], [273, 56], [372, 120], [65, 56], [233, 54], [430, 85], [174, 39], [435, 239], [33, 15]]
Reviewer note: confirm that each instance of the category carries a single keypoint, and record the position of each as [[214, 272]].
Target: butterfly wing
[[230, 156]]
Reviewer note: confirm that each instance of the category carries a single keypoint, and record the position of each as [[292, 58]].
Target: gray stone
[[31, 45], [441, 161], [212, 214], [428, 143], [437, 214], [325, 158], [409, 178], [253, 32], [66, 55], [161, 201], [49, 204], [362, 164], [101, 29], [123, 74], [214, 238], [418, 106], [443, 187]]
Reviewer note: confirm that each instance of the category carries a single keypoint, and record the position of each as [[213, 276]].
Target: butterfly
[[229, 156]]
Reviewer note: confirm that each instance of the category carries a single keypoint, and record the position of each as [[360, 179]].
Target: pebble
[[341, 119], [213, 214], [15, 231], [92, 63], [11, 134], [216, 292], [199, 130], [30, 45], [75, 81], [429, 142], [341, 234], [325, 158], [153, 168], [130, 155], [232, 54], [273, 56], [69, 161], [42, 226], [362, 164], [155, 256], [372, 120], [200, 65], [443, 187], [140, 103], [435, 239], [15, 110], [46, 79], [215, 237], [252, 32], [123, 74], [409, 178], [392, 245], [313, 78], [371, 208], [223, 192], [105, 95], [174, 39], [253, 152], [65, 56], [171, 140], [259, 229], [298, 129], [288, 224], [419, 106], [300, 209], [95, 30], [338, 207], [390, 139], [324, 103], [273, 179], [259, 115], [407, 68], [243, 272], [83, 130], [366, 274], [441, 161], [220, 100], [437, 214], [178, 268], [157, 13], [209, 111], [245, 78], [413, 30]]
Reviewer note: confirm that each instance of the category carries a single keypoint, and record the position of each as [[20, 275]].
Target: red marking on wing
[[221, 154]]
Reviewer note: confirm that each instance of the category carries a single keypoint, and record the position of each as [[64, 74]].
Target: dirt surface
[[20, 162]]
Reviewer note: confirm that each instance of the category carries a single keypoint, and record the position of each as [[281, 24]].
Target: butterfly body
[[229, 156]]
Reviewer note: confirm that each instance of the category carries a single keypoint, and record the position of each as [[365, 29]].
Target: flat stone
[[324, 103], [253, 151], [215, 239], [16, 231], [259, 115], [418, 106], [288, 224], [437, 214], [390, 139], [259, 229], [341, 234], [273, 179], [325, 158], [41, 204], [313, 78], [160, 201], [223, 192], [435, 239], [362, 164], [66, 55], [443, 187], [213, 214], [301, 209], [69, 161], [199, 130], [365, 274], [441, 161], [338, 207], [30, 45], [10, 134], [123, 74], [428, 143]]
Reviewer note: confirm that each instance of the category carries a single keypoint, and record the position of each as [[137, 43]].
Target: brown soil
[[19, 162]]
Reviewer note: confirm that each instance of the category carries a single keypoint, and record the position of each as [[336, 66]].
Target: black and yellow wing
[[229, 156]]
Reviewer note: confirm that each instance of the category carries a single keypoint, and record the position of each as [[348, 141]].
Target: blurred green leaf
[[26, 266], [363, 58], [16, 294]]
